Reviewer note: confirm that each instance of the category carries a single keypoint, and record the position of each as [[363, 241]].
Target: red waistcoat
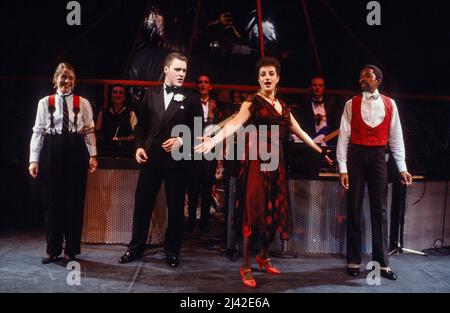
[[363, 134]]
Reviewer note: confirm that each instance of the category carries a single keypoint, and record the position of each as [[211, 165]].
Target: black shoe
[[173, 261], [128, 257], [353, 272], [49, 259], [69, 257], [388, 274]]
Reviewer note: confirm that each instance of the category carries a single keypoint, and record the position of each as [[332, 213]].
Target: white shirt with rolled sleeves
[[85, 124], [373, 113]]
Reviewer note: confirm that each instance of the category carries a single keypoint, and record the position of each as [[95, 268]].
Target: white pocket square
[[182, 107]]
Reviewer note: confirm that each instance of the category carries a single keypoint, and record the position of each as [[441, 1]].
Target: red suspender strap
[[76, 103], [51, 101], [51, 110], [76, 110]]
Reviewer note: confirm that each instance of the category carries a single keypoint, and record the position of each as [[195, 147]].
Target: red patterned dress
[[262, 208]]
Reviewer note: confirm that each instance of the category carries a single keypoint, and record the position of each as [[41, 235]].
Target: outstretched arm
[[297, 130], [228, 129]]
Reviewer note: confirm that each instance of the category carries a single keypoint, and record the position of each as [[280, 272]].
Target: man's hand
[[33, 169], [141, 156], [343, 177], [93, 164], [171, 144], [406, 178]]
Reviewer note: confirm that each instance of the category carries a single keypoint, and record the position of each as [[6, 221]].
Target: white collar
[[367, 95], [63, 94]]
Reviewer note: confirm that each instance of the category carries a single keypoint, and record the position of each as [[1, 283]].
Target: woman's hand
[[206, 146], [328, 160], [33, 169], [93, 164], [325, 156]]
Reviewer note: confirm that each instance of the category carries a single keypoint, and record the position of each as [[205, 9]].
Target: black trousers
[[367, 164], [148, 185], [63, 167], [201, 180]]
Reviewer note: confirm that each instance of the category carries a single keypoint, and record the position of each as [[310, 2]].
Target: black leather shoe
[[353, 272], [49, 259], [69, 258], [128, 257], [172, 261], [388, 274]]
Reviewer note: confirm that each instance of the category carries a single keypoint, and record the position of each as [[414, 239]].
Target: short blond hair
[[174, 55]]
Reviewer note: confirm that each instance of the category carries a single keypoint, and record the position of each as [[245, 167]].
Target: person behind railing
[[319, 116], [62, 141], [202, 172], [115, 126], [263, 208]]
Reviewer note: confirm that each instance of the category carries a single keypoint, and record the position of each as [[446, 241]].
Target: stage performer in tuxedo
[[163, 108]]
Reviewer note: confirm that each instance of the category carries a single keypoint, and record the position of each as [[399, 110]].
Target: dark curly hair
[[268, 61]]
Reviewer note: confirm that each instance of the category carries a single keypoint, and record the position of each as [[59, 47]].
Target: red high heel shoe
[[265, 263], [247, 282]]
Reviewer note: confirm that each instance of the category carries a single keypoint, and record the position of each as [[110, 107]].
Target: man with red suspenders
[[369, 123]]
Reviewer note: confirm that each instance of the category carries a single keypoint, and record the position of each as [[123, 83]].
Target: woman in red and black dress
[[263, 203]]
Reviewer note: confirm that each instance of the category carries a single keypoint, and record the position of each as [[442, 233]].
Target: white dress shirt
[[85, 124], [373, 113], [205, 107], [167, 97], [320, 109]]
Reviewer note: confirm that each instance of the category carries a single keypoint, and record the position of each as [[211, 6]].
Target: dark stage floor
[[202, 270]]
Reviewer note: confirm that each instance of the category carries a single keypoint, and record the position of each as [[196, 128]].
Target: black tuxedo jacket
[[306, 119], [155, 123]]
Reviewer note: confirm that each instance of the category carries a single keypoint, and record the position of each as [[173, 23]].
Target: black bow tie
[[170, 89], [64, 96], [316, 102]]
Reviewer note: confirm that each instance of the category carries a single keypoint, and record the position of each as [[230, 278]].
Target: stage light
[[154, 24], [268, 29]]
